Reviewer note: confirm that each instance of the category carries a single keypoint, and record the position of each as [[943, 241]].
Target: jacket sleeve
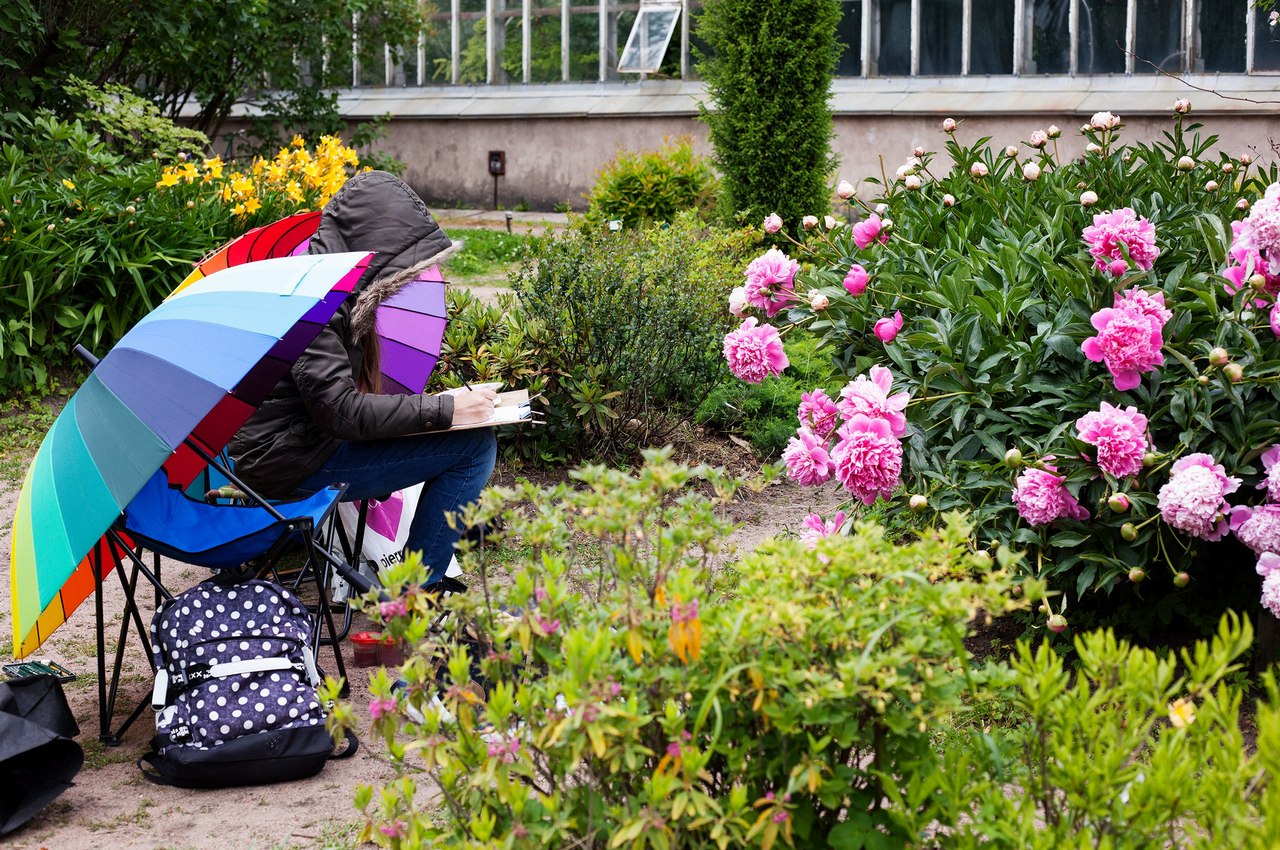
[[324, 379]]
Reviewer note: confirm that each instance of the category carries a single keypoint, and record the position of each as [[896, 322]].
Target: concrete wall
[[557, 138]]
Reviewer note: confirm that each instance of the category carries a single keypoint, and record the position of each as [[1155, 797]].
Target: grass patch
[[23, 423], [485, 253]]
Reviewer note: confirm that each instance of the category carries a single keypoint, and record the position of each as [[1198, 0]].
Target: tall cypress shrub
[[769, 77]]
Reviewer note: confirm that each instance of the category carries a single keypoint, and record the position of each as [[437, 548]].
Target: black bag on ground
[[38, 759], [235, 689]]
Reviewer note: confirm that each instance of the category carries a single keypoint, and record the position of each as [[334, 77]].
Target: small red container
[[372, 648]]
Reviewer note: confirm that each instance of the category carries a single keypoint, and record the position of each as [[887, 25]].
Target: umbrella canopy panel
[[410, 327], [195, 367]]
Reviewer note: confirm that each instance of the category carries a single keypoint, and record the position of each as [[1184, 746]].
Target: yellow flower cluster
[[299, 178]]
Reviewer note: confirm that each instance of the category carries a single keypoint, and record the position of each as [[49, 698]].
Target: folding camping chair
[[247, 538]]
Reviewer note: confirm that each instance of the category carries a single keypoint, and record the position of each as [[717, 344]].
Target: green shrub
[[648, 187], [769, 76], [639, 697], [765, 413], [988, 265], [1130, 751], [626, 327], [130, 125]]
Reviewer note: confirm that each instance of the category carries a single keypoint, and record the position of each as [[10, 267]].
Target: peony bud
[[1057, 624], [1242, 204], [1202, 380], [1258, 282], [1234, 372], [844, 191], [1245, 159], [809, 222], [1011, 151], [1148, 459], [1038, 139], [917, 151], [855, 282], [886, 329], [738, 301], [1182, 106], [829, 223], [1117, 268], [131, 209], [1092, 148], [917, 503], [1211, 186], [1182, 579], [1137, 574], [1219, 357], [1129, 532], [1088, 199], [772, 223], [881, 209], [977, 170], [1228, 168], [948, 125], [1119, 503], [1030, 171], [1186, 163], [911, 181], [1013, 458], [1053, 132], [818, 301], [948, 200], [191, 205], [51, 228], [1104, 121]]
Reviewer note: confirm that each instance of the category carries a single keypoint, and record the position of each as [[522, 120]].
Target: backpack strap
[[166, 688]]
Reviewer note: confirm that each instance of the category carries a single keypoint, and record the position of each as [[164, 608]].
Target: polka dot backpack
[[235, 688]]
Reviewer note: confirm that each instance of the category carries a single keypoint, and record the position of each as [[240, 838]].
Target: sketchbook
[[512, 409]]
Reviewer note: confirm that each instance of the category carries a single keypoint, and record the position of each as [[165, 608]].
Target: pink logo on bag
[[384, 517]]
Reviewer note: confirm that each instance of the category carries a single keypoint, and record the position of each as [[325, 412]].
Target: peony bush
[[1082, 353]]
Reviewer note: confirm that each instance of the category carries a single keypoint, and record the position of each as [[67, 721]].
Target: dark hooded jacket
[[317, 405]]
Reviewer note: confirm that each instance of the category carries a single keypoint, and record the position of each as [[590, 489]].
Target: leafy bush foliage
[[999, 300], [765, 413], [648, 187], [625, 328], [1131, 750], [93, 241], [769, 75], [638, 696]]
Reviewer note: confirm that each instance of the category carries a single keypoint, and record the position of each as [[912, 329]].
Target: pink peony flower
[[1120, 232], [772, 223], [1262, 229], [1258, 528], [1038, 139], [738, 301], [815, 529], [856, 280], [868, 458], [1128, 341], [1043, 498], [1244, 259], [1271, 592], [1267, 563], [870, 397], [807, 459], [1275, 318], [770, 281], [1194, 499], [754, 353], [818, 413], [887, 329], [1148, 304], [1272, 482], [1120, 437], [869, 230]]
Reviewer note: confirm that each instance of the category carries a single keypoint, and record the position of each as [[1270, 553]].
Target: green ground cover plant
[[1082, 353], [485, 253]]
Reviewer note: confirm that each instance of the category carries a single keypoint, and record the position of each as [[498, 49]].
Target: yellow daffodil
[[167, 179], [252, 205], [297, 141], [293, 192], [68, 184]]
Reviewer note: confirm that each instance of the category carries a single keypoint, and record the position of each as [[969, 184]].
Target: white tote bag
[[385, 533]]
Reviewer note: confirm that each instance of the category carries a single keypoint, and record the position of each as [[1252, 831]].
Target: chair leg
[[320, 574]]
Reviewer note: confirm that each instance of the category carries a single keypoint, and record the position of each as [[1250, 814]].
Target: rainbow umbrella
[[189, 373], [410, 325]]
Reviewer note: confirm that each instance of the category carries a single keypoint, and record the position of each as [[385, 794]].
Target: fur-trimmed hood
[[376, 211]]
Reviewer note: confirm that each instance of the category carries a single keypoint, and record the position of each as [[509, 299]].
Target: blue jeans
[[455, 466]]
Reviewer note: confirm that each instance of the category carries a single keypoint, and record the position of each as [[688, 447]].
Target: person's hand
[[471, 406]]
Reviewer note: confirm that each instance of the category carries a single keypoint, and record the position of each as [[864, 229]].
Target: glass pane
[[1266, 44], [472, 68], [894, 59], [991, 47], [941, 37], [648, 41], [1102, 36], [544, 43], [849, 37], [1050, 37], [436, 51], [584, 45], [1159, 37], [1221, 36]]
